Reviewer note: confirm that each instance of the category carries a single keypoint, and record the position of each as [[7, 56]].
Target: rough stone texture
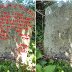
[[8, 46], [58, 31]]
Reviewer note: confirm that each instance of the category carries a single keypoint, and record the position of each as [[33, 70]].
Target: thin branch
[[39, 12]]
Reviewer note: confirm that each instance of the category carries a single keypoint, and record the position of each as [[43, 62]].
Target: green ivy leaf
[[42, 62], [38, 68], [49, 68], [38, 54], [51, 61]]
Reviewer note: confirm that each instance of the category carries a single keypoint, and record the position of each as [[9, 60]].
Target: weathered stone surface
[[58, 31], [9, 45]]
